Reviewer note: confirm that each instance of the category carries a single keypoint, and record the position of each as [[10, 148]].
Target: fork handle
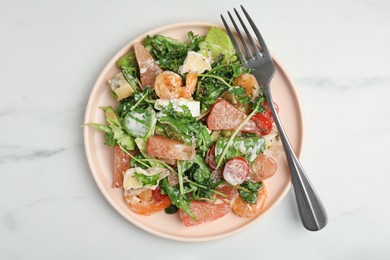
[[311, 210]]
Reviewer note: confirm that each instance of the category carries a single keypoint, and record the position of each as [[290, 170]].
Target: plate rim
[[98, 181]]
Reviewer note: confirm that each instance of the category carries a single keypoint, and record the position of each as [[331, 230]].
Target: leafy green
[[197, 169], [135, 161], [172, 209], [170, 53], [198, 182], [240, 95], [246, 147], [216, 81], [140, 122], [129, 66], [108, 134], [138, 99], [182, 126], [122, 138], [181, 201], [114, 132], [218, 43], [202, 171], [253, 188], [145, 179]]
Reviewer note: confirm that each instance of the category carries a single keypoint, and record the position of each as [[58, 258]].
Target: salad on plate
[[191, 132]]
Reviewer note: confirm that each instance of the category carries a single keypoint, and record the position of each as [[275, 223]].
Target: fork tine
[[254, 46], [257, 32], [243, 42], [233, 39]]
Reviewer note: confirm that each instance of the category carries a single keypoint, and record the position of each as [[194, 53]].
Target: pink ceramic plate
[[100, 157]]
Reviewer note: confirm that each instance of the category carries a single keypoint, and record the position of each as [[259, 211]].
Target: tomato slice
[[224, 116], [267, 112], [264, 119], [263, 168], [210, 157], [236, 170], [204, 212], [244, 209], [121, 164], [166, 148], [263, 123], [146, 203], [157, 194], [147, 65]]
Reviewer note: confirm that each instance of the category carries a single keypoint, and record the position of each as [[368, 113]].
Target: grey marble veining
[[16, 155]]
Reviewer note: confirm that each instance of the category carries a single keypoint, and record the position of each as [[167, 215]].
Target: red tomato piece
[[263, 123], [236, 170], [147, 66], [224, 116], [157, 194], [166, 148], [267, 112], [121, 164], [210, 157], [263, 168], [204, 212]]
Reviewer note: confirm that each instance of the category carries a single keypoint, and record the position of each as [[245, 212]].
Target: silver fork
[[312, 211]]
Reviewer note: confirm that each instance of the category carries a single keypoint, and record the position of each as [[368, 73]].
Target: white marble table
[[51, 52]]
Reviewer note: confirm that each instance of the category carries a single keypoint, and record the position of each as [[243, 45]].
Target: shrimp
[[168, 85], [188, 90], [147, 203], [249, 82]]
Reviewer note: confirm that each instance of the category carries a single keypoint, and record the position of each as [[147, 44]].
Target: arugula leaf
[[135, 161], [197, 169], [129, 66], [182, 126], [114, 132], [108, 134], [202, 173], [138, 99], [198, 179], [172, 209], [145, 179], [170, 53], [240, 95], [247, 147], [253, 188], [181, 201], [122, 138], [216, 81]]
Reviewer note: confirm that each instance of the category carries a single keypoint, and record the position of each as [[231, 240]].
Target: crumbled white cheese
[[193, 106], [195, 62], [130, 182]]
